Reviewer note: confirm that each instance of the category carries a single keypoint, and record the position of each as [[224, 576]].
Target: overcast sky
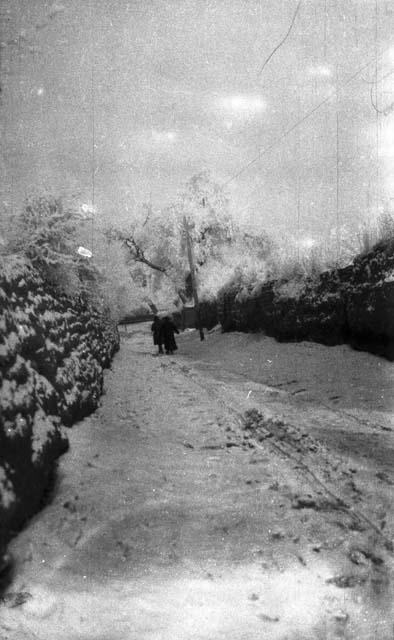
[[170, 88]]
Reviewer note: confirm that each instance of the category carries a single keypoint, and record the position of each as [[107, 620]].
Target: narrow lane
[[165, 523]]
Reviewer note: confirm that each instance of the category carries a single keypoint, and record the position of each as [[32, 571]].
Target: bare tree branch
[[139, 255], [282, 41], [147, 217]]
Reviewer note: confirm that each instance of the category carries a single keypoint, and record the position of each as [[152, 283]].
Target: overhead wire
[[377, 110], [303, 119], [337, 148], [93, 125]]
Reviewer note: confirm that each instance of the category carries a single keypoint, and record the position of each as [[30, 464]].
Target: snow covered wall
[[354, 305], [52, 353]]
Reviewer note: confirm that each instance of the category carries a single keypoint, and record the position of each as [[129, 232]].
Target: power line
[[93, 123], [299, 122], [377, 110], [273, 144], [337, 202], [298, 187], [343, 158], [325, 29]]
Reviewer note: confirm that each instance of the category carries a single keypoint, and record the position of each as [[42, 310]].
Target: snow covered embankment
[[354, 304], [52, 354]]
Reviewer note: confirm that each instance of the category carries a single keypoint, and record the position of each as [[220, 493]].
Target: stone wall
[[52, 354], [354, 305]]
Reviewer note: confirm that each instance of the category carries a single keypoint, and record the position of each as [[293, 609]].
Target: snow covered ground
[[171, 521]]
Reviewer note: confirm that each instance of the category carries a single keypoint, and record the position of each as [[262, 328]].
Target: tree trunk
[[193, 278]]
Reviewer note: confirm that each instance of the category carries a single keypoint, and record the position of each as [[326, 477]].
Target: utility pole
[[190, 255]]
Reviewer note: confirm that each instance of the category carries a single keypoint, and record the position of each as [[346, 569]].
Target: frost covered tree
[[49, 233], [45, 230], [156, 242], [46, 233], [150, 246], [205, 206]]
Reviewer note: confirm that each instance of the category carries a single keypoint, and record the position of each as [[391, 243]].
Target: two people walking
[[163, 335]]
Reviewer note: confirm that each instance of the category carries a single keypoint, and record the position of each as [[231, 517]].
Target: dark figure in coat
[[167, 335], [156, 333]]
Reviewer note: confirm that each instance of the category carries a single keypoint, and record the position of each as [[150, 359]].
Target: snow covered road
[[170, 521]]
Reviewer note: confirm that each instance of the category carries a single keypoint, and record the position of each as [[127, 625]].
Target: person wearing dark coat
[[156, 333], [168, 329]]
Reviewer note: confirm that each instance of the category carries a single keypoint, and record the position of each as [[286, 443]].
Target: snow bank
[[52, 354], [354, 305]]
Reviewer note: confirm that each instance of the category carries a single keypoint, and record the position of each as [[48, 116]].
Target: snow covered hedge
[[354, 304], [52, 353]]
